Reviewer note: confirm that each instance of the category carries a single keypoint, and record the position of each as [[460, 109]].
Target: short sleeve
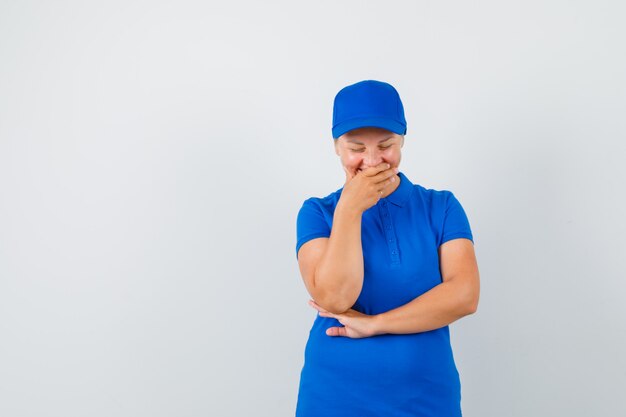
[[455, 222], [310, 224]]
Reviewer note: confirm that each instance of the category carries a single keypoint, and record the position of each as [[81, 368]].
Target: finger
[[384, 185], [336, 331], [321, 311], [373, 171], [388, 176], [313, 304]]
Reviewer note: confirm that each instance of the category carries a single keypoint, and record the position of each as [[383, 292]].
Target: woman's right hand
[[363, 190]]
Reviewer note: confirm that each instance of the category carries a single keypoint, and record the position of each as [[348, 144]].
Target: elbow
[[340, 307], [336, 300], [469, 301], [469, 294], [334, 303], [471, 304], [340, 302], [472, 307]]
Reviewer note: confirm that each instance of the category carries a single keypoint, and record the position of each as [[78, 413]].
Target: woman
[[388, 264]]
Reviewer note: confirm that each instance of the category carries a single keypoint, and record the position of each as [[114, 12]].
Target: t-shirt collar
[[401, 194]]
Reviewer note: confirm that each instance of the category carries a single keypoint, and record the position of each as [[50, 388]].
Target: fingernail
[[396, 170]]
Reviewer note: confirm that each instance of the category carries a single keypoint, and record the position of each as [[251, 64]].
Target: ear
[[336, 144], [402, 144]]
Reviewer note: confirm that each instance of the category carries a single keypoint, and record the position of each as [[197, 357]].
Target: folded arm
[[456, 297], [332, 268]]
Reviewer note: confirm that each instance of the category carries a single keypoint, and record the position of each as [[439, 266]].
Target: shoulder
[[432, 197], [317, 213], [315, 218], [446, 214]]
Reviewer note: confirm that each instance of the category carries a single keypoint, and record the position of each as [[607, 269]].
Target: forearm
[[438, 307], [339, 275]]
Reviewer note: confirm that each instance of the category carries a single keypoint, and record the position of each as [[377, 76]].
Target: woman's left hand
[[356, 324]]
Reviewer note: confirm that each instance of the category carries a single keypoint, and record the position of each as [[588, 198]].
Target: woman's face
[[367, 147]]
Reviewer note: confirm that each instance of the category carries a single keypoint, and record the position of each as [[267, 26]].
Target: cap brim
[[383, 123]]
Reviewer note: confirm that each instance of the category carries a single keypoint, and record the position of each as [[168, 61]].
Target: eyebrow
[[361, 143]]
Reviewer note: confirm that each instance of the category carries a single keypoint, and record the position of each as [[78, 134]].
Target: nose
[[372, 157]]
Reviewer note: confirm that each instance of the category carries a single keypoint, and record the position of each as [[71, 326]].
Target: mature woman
[[388, 264]]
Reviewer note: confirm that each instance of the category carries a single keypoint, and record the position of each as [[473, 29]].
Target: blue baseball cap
[[368, 103]]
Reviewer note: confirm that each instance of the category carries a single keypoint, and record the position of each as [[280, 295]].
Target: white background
[[154, 155]]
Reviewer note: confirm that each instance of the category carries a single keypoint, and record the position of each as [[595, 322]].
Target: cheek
[[391, 156], [353, 160]]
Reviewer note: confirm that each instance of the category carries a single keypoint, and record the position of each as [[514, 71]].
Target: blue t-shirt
[[391, 374]]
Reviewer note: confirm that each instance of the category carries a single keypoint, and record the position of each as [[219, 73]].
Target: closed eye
[[362, 149]]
